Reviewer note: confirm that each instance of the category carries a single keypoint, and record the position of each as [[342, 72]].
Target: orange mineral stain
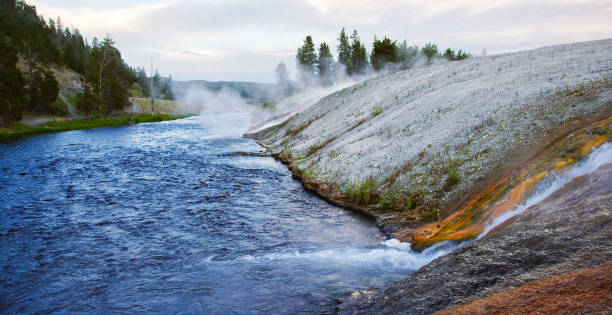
[[470, 221]]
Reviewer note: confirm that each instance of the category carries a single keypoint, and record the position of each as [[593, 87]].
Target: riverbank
[[18, 130], [448, 152], [566, 232], [413, 147]]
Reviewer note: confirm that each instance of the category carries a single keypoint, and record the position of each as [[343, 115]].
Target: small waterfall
[[554, 181]]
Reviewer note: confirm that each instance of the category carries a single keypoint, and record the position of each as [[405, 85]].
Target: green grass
[[17, 130], [364, 192], [433, 213]]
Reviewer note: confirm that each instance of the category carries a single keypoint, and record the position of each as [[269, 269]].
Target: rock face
[[568, 231], [583, 291], [416, 145]]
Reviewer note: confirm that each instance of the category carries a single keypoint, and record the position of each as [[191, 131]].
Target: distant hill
[[251, 91]]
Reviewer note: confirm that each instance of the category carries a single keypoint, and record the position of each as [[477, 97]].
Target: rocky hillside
[[568, 231], [414, 146]]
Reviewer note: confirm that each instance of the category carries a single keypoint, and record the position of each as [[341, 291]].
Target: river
[[161, 217]]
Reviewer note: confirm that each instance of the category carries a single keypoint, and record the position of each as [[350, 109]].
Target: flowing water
[[554, 181], [162, 218]]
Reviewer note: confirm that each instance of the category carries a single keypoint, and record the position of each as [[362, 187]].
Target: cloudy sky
[[245, 40]]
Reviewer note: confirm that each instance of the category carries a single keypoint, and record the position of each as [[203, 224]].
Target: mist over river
[[161, 217]]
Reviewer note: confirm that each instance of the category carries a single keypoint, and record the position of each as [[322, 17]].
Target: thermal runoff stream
[[163, 217]]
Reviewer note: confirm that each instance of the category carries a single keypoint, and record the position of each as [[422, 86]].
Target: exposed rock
[[582, 291], [568, 231]]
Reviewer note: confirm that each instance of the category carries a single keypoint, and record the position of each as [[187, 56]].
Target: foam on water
[[392, 253]]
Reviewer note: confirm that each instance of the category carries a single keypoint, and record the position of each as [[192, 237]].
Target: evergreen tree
[[406, 55], [156, 84], [461, 55], [11, 82], [143, 81], [344, 52], [166, 90], [359, 58], [430, 50], [110, 76], [306, 56], [23, 33], [49, 89], [449, 54], [89, 102], [326, 64], [383, 52], [41, 91]]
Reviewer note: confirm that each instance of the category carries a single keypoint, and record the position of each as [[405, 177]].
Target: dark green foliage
[[407, 55], [326, 64], [89, 103], [30, 35], [452, 56], [461, 55], [453, 178], [449, 54], [11, 82], [344, 52], [42, 91], [110, 76], [383, 52], [359, 58], [74, 51], [40, 45], [433, 213], [156, 84], [430, 50], [306, 56], [166, 89], [143, 81]]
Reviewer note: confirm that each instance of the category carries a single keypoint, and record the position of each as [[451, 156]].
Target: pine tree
[[326, 64], [359, 58], [383, 52], [344, 52], [407, 55], [11, 83], [430, 50], [156, 84], [306, 56]]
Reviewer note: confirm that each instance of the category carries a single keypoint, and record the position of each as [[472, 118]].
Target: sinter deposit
[[415, 145]]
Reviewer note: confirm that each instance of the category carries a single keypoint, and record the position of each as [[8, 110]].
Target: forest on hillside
[[31, 47], [317, 66]]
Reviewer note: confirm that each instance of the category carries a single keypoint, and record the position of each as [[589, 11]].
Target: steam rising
[[226, 113], [223, 112]]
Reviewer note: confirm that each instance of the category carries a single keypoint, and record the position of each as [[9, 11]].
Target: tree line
[[29, 46], [353, 58]]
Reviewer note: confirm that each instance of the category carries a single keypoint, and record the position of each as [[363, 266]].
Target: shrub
[[430, 214], [453, 178]]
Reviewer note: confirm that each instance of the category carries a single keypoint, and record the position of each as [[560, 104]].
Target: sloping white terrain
[[435, 134]]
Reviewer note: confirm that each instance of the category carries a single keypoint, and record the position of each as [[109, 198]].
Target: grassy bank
[[18, 130]]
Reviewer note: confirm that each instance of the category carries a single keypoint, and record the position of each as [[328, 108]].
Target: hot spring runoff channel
[[160, 218]]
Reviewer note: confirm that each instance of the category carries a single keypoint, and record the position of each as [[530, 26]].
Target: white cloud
[[96, 21], [244, 40]]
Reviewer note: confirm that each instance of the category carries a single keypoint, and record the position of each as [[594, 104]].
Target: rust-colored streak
[[471, 220]]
